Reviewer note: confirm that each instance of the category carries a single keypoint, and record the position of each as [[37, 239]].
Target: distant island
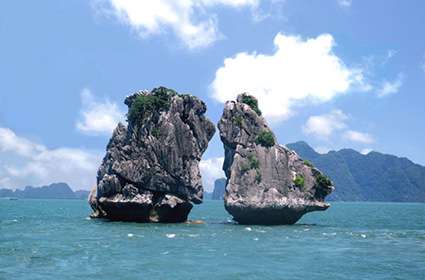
[[371, 177], [219, 188], [52, 191]]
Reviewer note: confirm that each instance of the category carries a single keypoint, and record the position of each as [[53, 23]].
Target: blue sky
[[334, 73]]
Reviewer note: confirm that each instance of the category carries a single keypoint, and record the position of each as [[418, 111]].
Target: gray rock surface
[[267, 183], [150, 171]]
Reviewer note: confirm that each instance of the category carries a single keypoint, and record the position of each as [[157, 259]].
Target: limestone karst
[[266, 183], [150, 172]]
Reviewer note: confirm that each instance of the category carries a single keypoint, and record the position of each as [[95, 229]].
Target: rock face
[[150, 171], [219, 188], [266, 183]]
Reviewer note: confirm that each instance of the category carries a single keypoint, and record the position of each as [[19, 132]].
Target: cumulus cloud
[[299, 71], [211, 169], [98, 117], [24, 162], [188, 19], [323, 126], [390, 87], [360, 137]]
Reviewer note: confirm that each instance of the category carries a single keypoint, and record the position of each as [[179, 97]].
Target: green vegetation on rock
[[258, 177], [253, 163], [156, 132], [323, 180], [265, 138], [238, 120], [308, 163], [245, 168], [252, 102], [299, 181], [145, 104]]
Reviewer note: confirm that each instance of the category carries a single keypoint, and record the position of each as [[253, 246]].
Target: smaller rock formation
[[219, 187], [266, 182], [150, 172]]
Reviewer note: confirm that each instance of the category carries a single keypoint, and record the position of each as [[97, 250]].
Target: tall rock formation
[[150, 172], [219, 189], [266, 183]]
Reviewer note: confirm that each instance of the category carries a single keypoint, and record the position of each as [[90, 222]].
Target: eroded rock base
[[143, 208], [270, 215]]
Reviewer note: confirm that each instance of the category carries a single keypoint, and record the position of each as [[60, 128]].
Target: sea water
[[55, 239]]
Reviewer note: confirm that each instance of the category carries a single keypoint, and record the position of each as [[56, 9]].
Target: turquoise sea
[[54, 239]]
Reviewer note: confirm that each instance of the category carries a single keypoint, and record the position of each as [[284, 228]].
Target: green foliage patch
[[299, 181], [265, 138], [145, 104], [238, 120], [253, 163], [308, 163], [258, 177], [156, 132], [251, 102], [323, 180]]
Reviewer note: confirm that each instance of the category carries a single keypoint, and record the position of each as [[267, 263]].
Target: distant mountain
[[371, 177], [52, 191], [82, 194], [219, 188]]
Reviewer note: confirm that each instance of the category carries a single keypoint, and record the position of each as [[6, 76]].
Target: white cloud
[[322, 150], [323, 126], [98, 117], [211, 169], [300, 71], [345, 3], [366, 151], [188, 20], [360, 137], [24, 162], [391, 87]]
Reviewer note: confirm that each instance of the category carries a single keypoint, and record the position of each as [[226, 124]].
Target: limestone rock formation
[[150, 171], [266, 183], [219, 188]]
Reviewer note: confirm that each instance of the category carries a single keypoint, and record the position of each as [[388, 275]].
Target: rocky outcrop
[[266, 183], [219, 187], [150, 171]]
